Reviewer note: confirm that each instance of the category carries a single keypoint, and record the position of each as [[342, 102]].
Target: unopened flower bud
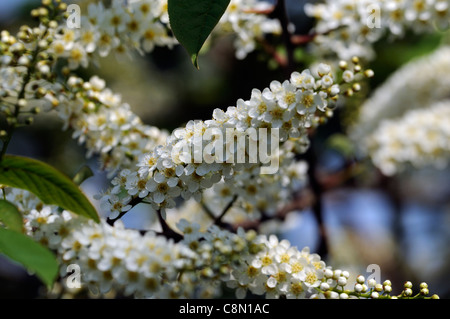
[[423, 285], [424, 291], [369, 73], [342, 281]]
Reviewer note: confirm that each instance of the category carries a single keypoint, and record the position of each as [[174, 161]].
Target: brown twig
[[133, 203]]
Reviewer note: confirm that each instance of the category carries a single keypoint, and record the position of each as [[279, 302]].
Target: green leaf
[[47, 183], [33, 256], [10, 216], [193, 20]]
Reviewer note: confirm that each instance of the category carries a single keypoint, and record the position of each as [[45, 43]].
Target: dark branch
[[218, 220], [167, 231]]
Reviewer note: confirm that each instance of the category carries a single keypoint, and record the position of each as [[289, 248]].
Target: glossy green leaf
[[192, 21], [10, 216], [47, 183], [33, 256]]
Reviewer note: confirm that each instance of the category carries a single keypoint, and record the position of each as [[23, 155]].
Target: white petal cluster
[[349, 27], [105, 124], [112, 258], [257, 195], [98, 116], [278, 269], [420, 84], [24, 56], [420, 138], [119, 28], [144, 25], [175, 169], [253, 197]]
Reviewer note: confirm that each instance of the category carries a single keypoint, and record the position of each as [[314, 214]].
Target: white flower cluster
[[349, 27], [242, 19], [140, 265], [140, 25], [25, 68], [258, 196], [421, 138], [100, 119], [279, 269], [109, 257], [112, 258], [420, 84], [253, 198], [144, 25], [171, 170]]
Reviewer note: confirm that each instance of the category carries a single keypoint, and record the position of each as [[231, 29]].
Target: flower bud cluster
[[350, 27], [334, 288]]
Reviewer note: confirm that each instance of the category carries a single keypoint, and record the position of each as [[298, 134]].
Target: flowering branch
[[152, 169]]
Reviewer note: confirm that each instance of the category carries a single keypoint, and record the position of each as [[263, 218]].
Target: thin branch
[[207, 210], [167, 231], [133, 203], [218, 220]]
